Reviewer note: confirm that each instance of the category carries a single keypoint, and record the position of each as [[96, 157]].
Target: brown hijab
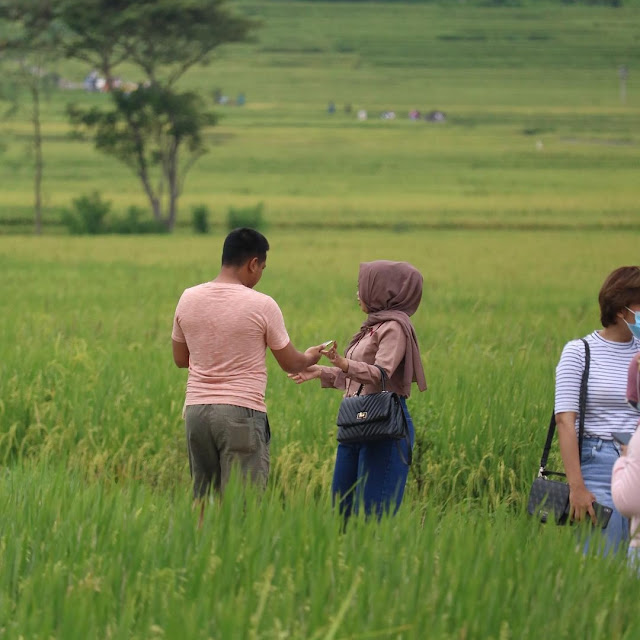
[[392, 291]]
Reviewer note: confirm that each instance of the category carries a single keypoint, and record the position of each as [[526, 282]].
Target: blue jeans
[[372, 474], [633, 556], [598, 457]]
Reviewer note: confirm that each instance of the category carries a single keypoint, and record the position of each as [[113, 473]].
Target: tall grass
[[97, 535], [97, 560], [86, 372]]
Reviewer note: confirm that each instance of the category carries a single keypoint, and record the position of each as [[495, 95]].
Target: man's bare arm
[[181, 354], [292, 361]]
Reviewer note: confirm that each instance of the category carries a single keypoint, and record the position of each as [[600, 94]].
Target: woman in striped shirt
[[611, 350]]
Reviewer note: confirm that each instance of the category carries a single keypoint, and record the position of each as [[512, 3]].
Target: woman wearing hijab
[[374, 474]]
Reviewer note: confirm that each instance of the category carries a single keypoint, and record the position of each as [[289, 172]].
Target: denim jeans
[[372, 475], [633, 557], [598, 457]]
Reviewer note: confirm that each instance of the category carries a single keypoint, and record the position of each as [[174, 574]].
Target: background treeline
[[494, 3], [541, 127]]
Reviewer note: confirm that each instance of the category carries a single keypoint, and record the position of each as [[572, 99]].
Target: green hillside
[[536, 131]]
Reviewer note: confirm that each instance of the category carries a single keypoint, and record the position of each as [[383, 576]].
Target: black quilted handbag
[[549, 499], [376, 416]]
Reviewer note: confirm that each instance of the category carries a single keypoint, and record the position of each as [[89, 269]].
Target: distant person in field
[[374, 474], [611, 350], [625, 483], [221, 331]]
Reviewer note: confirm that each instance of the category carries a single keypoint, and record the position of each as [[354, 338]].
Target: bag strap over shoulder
[[582, 409], [407, 435], [384, 380], [383, 373]]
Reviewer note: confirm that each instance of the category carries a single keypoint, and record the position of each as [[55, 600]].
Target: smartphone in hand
[[603, 514], [621, 438]]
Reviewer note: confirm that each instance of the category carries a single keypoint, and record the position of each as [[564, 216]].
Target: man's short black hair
[[243, 244]]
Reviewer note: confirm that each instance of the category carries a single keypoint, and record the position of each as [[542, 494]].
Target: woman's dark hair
[[620, 289], [243, 244]]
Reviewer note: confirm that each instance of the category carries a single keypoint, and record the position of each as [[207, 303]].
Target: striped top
[[607, 409]]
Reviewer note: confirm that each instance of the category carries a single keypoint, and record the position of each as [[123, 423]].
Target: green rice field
[[98, 536], [514, 209]]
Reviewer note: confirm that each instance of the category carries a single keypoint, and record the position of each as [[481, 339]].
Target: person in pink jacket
[[625, 481]]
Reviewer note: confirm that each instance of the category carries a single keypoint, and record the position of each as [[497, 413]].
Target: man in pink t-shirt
[[221, 331]]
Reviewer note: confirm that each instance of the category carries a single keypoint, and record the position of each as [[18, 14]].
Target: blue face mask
[[635, 327]]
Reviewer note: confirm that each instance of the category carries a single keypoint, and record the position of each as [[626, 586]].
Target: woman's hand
[[336, 360], [306, 374], [580, 503], [580, 498]]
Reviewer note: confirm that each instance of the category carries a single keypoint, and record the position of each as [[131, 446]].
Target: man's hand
[[313, 354], [581, 502], [292, 361], [311, 373]]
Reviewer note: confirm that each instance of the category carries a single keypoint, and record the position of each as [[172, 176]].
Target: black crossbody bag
[[550, 498], [374, 417]]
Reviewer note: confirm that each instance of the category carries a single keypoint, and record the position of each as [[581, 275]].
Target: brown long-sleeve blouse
[[385, 345]]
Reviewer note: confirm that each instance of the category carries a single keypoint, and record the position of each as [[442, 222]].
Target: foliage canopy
[[151, 127], [154, 128]]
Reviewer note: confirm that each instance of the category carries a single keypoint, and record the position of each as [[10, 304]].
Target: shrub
[[137, 221], [87, 215], [246, 217], [200, 219]]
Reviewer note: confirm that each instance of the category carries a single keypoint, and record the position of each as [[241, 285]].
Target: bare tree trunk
[[143, 173], [156, 205], [37, 149], [174, 186], [106, 71]]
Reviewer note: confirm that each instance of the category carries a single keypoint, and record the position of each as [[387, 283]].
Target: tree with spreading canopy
[[156, 129]]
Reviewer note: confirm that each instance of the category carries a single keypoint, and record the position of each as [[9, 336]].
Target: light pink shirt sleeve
[[625, 482], [332, 377], [386, 348], [276, 335], [177, 333], [391, 351]]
